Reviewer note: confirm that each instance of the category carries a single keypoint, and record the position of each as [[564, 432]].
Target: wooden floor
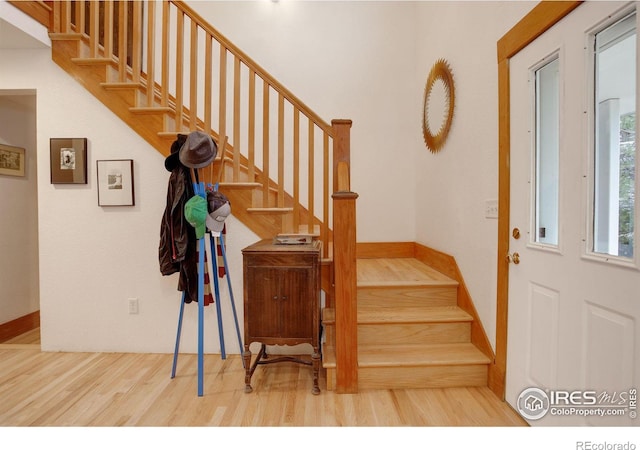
[[120, 389]]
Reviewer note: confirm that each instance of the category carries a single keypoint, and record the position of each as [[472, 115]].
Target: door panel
[[297, 304], [573, 319], [543, 351], [263, 306]]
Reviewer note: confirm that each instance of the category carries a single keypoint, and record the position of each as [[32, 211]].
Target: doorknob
[[516, 233], [513, 258]]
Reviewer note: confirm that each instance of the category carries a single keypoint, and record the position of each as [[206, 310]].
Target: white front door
[[573, 348]]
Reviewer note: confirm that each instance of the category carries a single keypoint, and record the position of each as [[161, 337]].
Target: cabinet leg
[[315, 362], [246, 356]]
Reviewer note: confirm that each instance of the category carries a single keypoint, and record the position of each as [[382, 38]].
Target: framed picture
[[68, 161], [115, 182], [11, 160]]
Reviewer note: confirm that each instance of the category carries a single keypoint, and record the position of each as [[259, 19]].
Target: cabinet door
[[297, 303], [263, 305]]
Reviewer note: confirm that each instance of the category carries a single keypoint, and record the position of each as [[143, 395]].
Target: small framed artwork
[[115, 182], [11, 160], [68, 161]]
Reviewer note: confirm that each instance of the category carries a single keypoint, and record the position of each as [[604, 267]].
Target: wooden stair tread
[[412, 355], [65, 36], [170, 135], [120, 85], [239, 185], [270, 210], [92, 61], [150, 110], [391, 314], [405, 283], [382, 272]]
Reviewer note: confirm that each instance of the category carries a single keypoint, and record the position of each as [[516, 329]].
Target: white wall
[[453, 184], [19, 210], [346, 60], [366, 61], [94, 258]]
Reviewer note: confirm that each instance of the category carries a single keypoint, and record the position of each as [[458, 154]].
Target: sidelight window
[[547, 149], [614, 173]]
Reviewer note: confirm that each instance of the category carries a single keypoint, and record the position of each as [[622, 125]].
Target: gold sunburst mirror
[[439, 101]]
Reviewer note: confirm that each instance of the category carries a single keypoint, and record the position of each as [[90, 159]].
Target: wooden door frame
[[542, 17]]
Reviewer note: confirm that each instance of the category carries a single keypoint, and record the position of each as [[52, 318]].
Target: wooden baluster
[[94, 20], [123, 38], [56, 15], [151, 52], [136, 57], [208, 56], [311, 176], [222, 127], [280, 180], [63, 17], [164, 93], [324, 229], [179, 69], [80, 17], [296, 168], [236, 119], [251, 139], [108, 29], [265, 144], [193, 77]]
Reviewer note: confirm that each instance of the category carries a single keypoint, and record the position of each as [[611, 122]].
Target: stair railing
[[186, 68], [209, 84]]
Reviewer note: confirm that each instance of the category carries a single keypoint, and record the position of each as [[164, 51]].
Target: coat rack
[[199, 189]]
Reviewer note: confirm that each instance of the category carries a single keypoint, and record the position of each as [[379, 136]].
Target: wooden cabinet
[[281, 302]]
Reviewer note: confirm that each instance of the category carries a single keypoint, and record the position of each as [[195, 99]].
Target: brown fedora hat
[[198, 150]]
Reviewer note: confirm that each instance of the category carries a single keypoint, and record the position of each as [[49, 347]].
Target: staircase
[[411, 331], [189, 77], [406, 321]]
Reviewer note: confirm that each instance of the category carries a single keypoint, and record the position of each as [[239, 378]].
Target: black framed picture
[[115, 182], [68, 160]]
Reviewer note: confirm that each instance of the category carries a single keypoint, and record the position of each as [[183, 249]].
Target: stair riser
[[420, 377], [422, 333], [407, 296], [415, 333]]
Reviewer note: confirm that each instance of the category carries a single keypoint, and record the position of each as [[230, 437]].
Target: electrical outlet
[[133, 306], [491, 209]]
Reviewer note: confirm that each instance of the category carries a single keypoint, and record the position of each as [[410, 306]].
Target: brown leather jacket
[[177, 250]]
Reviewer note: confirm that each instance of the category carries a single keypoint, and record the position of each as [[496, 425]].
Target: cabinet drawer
[[279, 260]]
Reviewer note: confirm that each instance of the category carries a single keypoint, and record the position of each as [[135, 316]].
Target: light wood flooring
[[121, 389], [397, 270]]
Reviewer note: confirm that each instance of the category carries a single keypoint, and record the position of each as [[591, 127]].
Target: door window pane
[[615, 139], [547, 148]]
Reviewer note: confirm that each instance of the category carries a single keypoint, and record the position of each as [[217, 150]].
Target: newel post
[[344, 259]]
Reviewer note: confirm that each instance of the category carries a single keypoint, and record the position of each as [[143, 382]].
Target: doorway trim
[[542, 17]]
